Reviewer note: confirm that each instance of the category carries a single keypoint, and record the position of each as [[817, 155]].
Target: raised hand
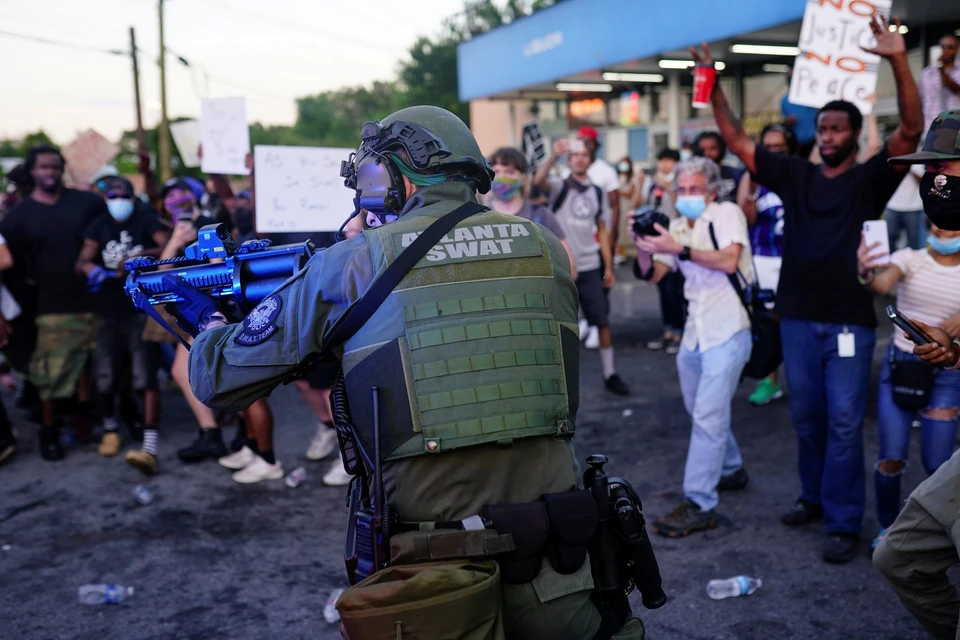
[[702, 58], [889, 43]]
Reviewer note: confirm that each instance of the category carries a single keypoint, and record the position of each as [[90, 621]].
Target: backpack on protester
[[767, 351], [565, 189]]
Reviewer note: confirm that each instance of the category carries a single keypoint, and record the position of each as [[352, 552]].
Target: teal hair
[[415, 178]]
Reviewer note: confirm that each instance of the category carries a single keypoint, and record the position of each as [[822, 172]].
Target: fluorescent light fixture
[[632, 77], [765, 50], [584, 86], [686, 64], [776, 68]]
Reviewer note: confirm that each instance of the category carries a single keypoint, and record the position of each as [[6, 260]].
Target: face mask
[[121, 209], [941, 200], [691, 207], [945, 246], [623, 167], [686, 154], [505, 188], [668, 177]]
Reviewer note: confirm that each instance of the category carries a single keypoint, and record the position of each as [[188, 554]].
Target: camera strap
[[734, 277]]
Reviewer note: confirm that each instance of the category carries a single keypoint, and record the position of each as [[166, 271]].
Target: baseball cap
[[589, 133], [942, 141]]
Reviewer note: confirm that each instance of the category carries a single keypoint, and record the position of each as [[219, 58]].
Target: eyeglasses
[[115, 195]]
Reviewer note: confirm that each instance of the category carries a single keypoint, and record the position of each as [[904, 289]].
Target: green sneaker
[[765, 393]]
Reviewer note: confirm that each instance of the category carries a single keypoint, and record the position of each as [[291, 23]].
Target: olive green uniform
[[476, 356]]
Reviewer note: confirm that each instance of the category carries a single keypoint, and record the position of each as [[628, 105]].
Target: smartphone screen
[[875, 231], [577, 146]]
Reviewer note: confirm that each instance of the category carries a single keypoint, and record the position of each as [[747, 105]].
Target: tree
[[334, 118]]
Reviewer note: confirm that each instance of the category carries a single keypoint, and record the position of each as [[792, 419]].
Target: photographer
[[706, 244]]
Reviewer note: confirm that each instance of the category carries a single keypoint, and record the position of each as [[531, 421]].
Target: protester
[[8, 443], [801, 120], [710, 145], [828, 320], [921, 546], [581, 209], [108, 243], [507, 196], [940, 82], [673, 309], [928, 290], [604, 176], [708, 243], [904, 212], [764, 211], [45, 232]]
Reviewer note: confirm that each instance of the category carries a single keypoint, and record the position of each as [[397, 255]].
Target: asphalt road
[[213, 559]]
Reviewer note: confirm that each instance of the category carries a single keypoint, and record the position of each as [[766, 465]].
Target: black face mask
[[941, 200]]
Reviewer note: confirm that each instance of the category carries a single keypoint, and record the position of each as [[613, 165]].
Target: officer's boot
[[209, 444]]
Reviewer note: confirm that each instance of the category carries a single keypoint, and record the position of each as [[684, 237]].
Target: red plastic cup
[[704, 77]]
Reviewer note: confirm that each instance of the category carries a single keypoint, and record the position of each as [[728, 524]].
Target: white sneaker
[[584, 329], [593, 339], [323, 443], [238, 460], [336, 476], [258, 471]]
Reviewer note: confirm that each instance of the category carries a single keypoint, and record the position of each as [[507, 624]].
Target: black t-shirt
[[48, 239], [822, 222], [119, 241], [729, 181]]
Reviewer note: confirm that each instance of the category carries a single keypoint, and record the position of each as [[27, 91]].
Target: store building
[[622, 66]]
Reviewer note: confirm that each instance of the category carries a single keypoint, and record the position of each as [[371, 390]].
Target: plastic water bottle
[[733, 587], [143, 494], [296, 477], [330, 613], [104, 593]]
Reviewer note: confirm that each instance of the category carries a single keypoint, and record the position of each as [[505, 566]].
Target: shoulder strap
[[561, 197], [734, 277], [599, 192]]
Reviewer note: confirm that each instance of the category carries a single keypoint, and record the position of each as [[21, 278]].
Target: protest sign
[[225, 136], [533, 147], [85, 155], [832, 65], [188, 135], [300, 189]]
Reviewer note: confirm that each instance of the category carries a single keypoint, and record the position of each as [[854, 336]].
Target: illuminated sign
[[580, 108]]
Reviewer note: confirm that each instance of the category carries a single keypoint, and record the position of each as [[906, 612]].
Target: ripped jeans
[[937, 433]]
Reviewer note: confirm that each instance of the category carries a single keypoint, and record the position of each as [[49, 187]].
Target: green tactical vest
[[467, 349]]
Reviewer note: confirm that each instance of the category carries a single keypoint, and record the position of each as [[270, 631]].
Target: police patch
[[260, 323]]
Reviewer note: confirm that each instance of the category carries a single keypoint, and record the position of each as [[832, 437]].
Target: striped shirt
[[928, 292]]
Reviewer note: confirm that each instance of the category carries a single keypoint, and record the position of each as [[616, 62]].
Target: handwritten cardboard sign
[[188, 134], [300, 188], [832, 65], [85, 155], [225, 135], [533, 144]]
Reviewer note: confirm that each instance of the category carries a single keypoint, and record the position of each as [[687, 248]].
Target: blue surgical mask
[[120, 208], [945, 246], [691, 207]]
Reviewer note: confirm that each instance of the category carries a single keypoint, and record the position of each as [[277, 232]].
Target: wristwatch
[[684, 254]]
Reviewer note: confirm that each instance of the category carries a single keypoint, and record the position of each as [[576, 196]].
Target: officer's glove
[[195, 311], [97, 277]]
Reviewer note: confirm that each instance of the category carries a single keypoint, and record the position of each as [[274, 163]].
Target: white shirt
[[929, 291], [716, 312], [907, 195]]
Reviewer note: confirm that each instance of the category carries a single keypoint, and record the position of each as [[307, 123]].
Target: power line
[[225, 81], [63, 44]]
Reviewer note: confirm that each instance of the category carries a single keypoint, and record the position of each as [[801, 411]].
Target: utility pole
[[141, 137], [164, 123]]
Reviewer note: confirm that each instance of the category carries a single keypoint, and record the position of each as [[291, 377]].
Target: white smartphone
[[875, 231], [577, 146]]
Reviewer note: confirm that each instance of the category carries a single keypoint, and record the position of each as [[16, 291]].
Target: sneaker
[[672, 348], [584, 327], [50, 448], [109, 444], [337, 476], [209, 444], [238, 460], [802, 513], [593, 339], [657, 344], [615, 384], [257, 471], [765, 393], [323, 443], [840, 548], [684, 520], [735, 481], [143, 461], [876, 541]]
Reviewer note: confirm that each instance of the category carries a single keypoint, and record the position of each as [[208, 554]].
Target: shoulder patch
[[261, 323]]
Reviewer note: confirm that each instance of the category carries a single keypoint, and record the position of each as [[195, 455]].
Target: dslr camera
[[645, 218]]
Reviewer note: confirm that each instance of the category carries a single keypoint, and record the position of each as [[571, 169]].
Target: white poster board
[[225, 135], [300, 189], [832, 65], [187, 134]]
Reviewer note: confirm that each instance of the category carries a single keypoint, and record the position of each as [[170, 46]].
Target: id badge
[[846, 345]]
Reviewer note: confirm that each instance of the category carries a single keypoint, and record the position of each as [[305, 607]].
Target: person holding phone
[[928, 289]]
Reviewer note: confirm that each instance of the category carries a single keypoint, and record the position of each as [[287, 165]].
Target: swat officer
[[916, 551], [475, 354]]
